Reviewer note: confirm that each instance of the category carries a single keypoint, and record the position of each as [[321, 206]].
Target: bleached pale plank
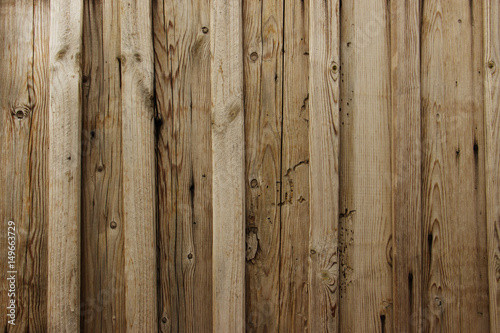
[[64, 167], [228, 167]]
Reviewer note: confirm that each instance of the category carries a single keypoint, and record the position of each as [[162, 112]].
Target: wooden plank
[[453, 190], [263, 68], [103, 288], [492, 153], [228, 166], [23, 178], [324, 151], [138, 156], [64, 166], [184, 164], [406, 165], [365, 172], [294, 251]]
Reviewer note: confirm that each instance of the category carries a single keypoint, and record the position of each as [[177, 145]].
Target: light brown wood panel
[[64, 166], [453, 201], [365, 173], [23, 177], [184, 164], [294, 248], [406, 164], [324, 151], [138, 167], [489, 67], [103, 287], [263, 70], [228, 165]]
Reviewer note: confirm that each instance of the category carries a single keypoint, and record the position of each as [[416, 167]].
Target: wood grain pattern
[[263, 69], [23, 160], [365, 173], [64, 167], [453, 193], [138, 149], [184, 164], [406, 165], [228, 154], [103, 283], [324, 151], [294, 248], [492, 141]]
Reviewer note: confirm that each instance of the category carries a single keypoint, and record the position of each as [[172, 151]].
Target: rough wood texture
[[324, 151], [294, 251], [184, 164], [263, 65], [23, 160], [64, 166], [139, 195], [406, 164], [492, 142], [228, 154], [103, 287], [365, 173], [453, 192]]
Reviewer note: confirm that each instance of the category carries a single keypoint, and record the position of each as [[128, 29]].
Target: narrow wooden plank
[[406, 165], [103, 287], [23, 134], [324, 151], [184, 164], [138, 167], [228, 166], [365, 173], [64, 166], [453, 190], [294, 251], [263, 67], [492, 141]]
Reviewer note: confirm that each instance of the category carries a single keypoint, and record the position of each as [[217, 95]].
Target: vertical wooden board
[[453, 201], [324, 149], [492, 136], [184, 164], [263, 61], [138, 165], [228, 166], [294, 247], [23, 134], [103, 289], [406, 165], [365, 173], [64, 167]]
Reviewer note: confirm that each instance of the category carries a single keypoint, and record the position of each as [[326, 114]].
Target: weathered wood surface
[[453, 188], [489, 67], [228, 166], [64, 169], [406, 166], [138, 167], [184, 164]]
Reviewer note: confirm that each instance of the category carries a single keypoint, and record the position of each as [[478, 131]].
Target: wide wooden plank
[[228, 159], [184, 164], [64, 166], [23, 159], [138, 156], [406, 165], [263, 66], [365, 173], [294, 252], [324, 151], [453, 191], [492, 143], [103, 287]]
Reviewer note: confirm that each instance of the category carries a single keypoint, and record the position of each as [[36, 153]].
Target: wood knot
[[204, 30], [254, 56], [113, 225], [254, 183]]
